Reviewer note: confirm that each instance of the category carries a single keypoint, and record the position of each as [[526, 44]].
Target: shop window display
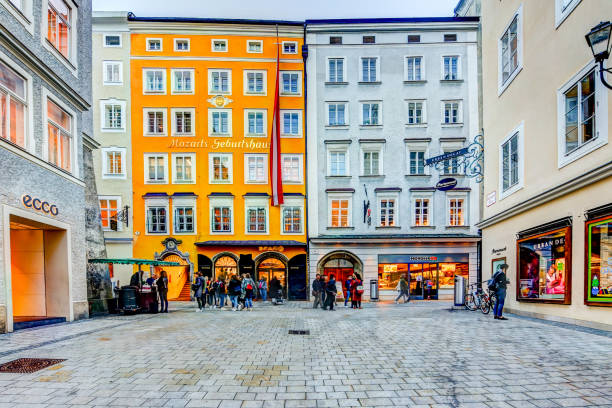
[[390, 274], [599, 261], [545, 267]]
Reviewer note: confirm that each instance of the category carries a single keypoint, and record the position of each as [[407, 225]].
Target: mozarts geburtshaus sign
[[469, 158], [216, 144]]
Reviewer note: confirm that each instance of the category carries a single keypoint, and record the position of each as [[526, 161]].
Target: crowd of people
[[325, 291]]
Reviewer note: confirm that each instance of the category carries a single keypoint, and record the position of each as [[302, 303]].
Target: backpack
[[492, 283], [195, 287], [249, 286]]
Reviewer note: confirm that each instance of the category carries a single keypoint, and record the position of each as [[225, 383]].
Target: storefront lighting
[[599, 41]]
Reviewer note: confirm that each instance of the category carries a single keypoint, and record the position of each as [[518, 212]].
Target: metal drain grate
[[28, 365], [302, 332]]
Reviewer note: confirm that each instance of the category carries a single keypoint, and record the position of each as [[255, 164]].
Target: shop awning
[[132, 261]]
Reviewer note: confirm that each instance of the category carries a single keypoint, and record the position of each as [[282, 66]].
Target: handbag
[[359, 289]]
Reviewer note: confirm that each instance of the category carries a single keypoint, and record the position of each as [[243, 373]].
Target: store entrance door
[[273, 268], [424, 281]]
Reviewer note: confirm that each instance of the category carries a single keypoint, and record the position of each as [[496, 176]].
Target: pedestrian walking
[[234, 291], [248, 288], [221, 292], [501, 283], [262, 288], [347, 290], [276, 290], [317, 289], [402, 288], [162, 289], [356, 291], [324, 280], [198, 287], [331, 291], [211, 294]]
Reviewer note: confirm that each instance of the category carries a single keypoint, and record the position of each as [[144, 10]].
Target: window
[[450, 37], [291, 83], [181, 44], [220, 81], [414, 68], [369, 69], [335, 40], [182, 81], [291, 219], [13, 106], [112, 40], [339, 213], [255, 46], [154, 44], [256, 122], [416, 162], [256, 219], [416, 112], [183, 170], [59, 26], [450, 68], [154, 80], [222, 218], [336, 114], [338, 163], [335, 70], [59, 128], [220, 168], [256, 168], [564, 8], [510, 53], [289, 47], [157, 220], [451, 166], [113, 162], [456, 209], [155, 168], [387, 212], [599, 264], [371, 162], [113, 72], [219, 45], [292, 123], [369, 39], [421, 212], [108, 211], [292, 168], [510, 162], [414, 38], [255, 82], [155, 122], [184, 219], [370, 113], [580, 113], [112, 112], [183, 121], [219, 122], [452, 113]]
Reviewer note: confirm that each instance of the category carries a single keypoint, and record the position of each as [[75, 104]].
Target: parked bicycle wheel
[[470, 303], [485, 305]]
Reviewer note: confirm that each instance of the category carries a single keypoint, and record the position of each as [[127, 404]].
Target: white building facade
[[383, 97]]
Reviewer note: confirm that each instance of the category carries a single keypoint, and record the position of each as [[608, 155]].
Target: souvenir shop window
[[389, 275], [598, 269]]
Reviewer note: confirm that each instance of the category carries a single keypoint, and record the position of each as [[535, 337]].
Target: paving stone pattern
[[420, 355]]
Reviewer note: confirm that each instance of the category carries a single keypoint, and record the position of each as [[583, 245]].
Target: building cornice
[[382, 27], [190, 28], [90, 142], [589, 177], [394, 240]]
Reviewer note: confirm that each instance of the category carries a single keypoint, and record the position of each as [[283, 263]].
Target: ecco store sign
[[39, 205]]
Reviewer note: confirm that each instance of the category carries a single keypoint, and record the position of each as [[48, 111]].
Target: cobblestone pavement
[[420, 354]]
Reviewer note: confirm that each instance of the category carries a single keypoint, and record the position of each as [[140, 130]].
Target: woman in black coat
[[162, 289]]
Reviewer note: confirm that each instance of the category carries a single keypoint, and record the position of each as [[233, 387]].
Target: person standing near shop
[[248, 288], [199, 289], [234, 291], [356, 292], [501, 283], [402, 287], [330, 295], [162, 289], [221, 292], [347, 290], [317, 289], [262, 287], [211, 294]]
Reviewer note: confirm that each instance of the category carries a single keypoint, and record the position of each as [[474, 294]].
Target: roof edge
[[133, 17], [392, 20]]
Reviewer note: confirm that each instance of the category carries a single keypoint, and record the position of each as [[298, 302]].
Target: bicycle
[[489, 299], [473, 297]]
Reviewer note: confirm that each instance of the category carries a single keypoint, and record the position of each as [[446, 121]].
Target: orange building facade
[[202, 102]]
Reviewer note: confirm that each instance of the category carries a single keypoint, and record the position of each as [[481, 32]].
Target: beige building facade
[[548, 161]]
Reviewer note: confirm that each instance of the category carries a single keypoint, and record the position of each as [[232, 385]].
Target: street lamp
[[599, 41]]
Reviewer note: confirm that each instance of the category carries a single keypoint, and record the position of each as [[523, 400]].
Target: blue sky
[[281, 9]]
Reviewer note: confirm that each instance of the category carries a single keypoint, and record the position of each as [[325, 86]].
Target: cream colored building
[[548, 161], [111, 124]]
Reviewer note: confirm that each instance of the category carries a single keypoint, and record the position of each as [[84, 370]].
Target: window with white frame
[[112, 40], [13, 106], [291, 83], [183, 121], [182, 81], [371, 160], [183, 168], [339, 211], [337, 113], [452, 166], [60, 136], [219, 81], [219, 122], [510, 54], [416, 165], [184, 216], [157, 218], [154, 44], [564, 8], [154, 80], [369, 69], [256, 168], [255, 82], [414, 69], [113, 112], [221, 215], [451, 112], [387, 211], [456, 211], [580, 106], [255, 46], [292, 216], [181, 44], [220, 168], [421, 211], [290, 47], [109, 207], [371, 114], [219, 45], [291, 126], [156, 170], [337, 160], [256, 215], [113, 162], [510, 162], [155, 122], [292, 168], [256, 122], [59, 26], [416, 112], [335, 70], [450, 66], [113, 72]]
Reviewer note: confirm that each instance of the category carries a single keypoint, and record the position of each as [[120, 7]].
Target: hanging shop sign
[[468, 159], [39, 205], [272, 248], [446, 184]]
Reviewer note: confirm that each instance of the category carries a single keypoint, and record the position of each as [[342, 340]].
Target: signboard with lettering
[[491, 199], [446, 184], [39, 205], [216, 144], [446, 156]]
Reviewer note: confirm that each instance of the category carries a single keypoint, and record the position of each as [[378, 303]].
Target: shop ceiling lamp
[[599, 41]]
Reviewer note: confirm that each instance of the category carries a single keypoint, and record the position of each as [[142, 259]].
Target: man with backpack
[[499, 283]]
